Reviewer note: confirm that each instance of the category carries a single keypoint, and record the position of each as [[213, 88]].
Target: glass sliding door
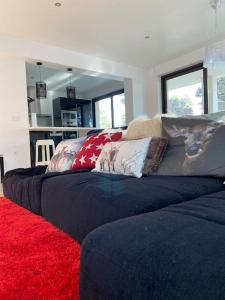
[[103, 113], [110, 110], [119, 111]]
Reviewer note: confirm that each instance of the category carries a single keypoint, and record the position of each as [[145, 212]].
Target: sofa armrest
[[26, 171]]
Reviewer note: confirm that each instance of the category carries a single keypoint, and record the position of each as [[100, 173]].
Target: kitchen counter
[[62, 129], [57, 134]]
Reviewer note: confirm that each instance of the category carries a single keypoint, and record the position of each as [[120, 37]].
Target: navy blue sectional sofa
[[175, 253], [79, 202], [158, 237]]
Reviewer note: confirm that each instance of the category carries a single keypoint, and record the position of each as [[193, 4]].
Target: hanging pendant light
[[215, 53], [70, 90], [41, 88]]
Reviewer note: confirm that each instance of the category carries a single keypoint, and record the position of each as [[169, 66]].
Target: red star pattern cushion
[[91, 149]]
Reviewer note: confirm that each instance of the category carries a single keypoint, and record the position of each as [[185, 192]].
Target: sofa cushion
[[91, 149], [123, 157], [64, 155], [141, 128], [155, 155], [24, 186], [216, 116], [79, 203], [195, 148], [171, 254]]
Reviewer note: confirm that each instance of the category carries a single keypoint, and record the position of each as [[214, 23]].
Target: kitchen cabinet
[[66, 104]]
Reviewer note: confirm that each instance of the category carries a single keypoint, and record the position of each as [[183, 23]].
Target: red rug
[[37, 261]]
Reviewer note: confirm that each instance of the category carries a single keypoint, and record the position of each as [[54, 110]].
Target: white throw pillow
[[124, 157], [143, 128], [64, 155]]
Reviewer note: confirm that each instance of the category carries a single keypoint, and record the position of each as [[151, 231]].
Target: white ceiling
[[58, 80], [115, 29]]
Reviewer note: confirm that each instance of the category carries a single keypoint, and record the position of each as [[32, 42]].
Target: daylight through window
[[110, 110]]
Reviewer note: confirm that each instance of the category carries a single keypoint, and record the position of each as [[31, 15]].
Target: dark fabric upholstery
[[94, 131], [24, 186], [79, 203], [176, 253]]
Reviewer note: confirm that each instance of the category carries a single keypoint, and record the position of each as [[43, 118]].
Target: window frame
[[181, 72], [109, 95]]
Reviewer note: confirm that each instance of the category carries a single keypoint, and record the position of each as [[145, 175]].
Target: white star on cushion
[[107, 136], [100, 147], [94, 158], [82, 159], [82, 148], [89, 146], [88, 139]]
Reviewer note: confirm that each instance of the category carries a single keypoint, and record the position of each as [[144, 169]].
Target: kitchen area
[[60, 102]]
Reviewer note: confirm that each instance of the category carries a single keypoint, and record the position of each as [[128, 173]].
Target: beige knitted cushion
[[143, 128]]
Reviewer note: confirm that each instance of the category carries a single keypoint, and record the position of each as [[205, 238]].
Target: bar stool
[[46, 146]]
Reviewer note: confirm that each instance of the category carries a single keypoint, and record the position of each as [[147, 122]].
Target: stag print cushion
[[196, 147], [217, 116], [91, 149], [155, 155], [124, 157], [64, 155]]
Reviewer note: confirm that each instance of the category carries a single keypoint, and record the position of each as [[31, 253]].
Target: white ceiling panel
[[115, 29]]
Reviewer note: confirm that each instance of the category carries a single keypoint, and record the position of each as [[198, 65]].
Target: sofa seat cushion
[[78, 203], [174, 253], [24, 186]]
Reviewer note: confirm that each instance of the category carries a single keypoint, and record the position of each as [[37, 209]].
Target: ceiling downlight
[[58, 4]]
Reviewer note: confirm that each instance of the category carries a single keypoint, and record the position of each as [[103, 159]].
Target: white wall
[[140, 90], [34, 51], [142, 87], [128, 90], [13, 98], [14, 135]]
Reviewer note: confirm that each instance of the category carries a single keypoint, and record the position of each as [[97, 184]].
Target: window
[[103, 113], [119, 116], [185, 92], [109, 110]]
